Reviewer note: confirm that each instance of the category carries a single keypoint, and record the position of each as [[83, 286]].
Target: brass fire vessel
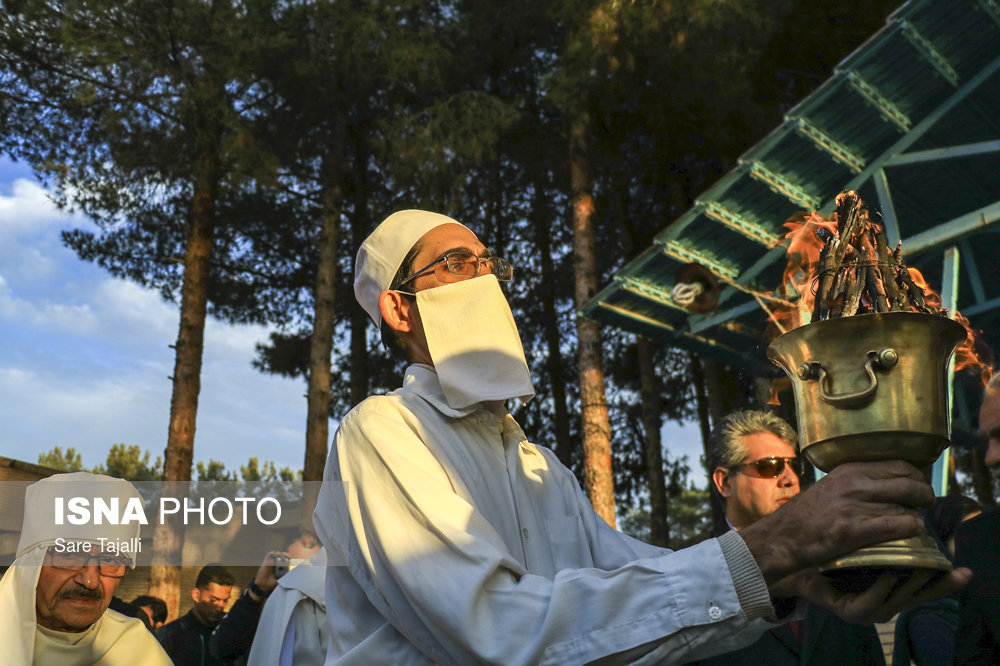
[[873, 387]]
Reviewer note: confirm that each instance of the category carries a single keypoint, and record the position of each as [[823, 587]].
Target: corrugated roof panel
[[929, 80]]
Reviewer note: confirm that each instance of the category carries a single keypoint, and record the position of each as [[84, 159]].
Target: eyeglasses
[[468, 265], [109, 565], [773, 466]]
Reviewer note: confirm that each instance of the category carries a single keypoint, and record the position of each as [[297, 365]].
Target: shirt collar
[[422, 379]]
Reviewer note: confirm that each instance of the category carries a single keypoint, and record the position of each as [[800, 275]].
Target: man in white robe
[[452, 539], [292, 627], [54, 598]]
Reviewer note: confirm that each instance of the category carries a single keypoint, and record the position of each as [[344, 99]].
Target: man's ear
[[395, 310], [720, 477], [196, 594]]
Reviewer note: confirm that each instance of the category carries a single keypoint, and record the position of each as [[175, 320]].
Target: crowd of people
[[463, 542]]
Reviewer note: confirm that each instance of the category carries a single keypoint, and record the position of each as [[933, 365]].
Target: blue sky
[[85, 361], [84, 357]]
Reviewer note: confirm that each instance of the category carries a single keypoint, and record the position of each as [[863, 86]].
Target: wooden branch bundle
[[856, 271]]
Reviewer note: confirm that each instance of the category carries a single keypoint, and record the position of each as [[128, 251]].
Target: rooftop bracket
[[737, 223], [883, 104], [930, 52], [781, 185], [675, 250], [828, 144]]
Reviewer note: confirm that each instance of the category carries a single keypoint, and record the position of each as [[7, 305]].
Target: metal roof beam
[[675, 250], [635, 316], [707, 343], [722, 317], [972, 270], [918, 130], [888, 210], [929, 52], [749, 274], [737, 222], [829, 145], [882, 104], [991, 7], [781, 185], [950, 152], [953, 230], [980, 308]]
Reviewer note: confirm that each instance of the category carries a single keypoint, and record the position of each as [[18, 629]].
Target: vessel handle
[[882, 359]]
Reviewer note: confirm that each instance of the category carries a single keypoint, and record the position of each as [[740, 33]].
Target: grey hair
[[725, 445]]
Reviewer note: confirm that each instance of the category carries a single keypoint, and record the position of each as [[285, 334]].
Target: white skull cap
[[380, 256], [41, 525]]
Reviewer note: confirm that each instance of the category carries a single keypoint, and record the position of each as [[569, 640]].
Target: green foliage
[[213, 471], [130, 462], [690, 516], [690, 519], [256, 473], [70, 461]]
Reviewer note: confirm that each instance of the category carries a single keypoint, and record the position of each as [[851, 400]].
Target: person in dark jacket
[[185, 639], [154, 608], [756, 469], [977, 546]]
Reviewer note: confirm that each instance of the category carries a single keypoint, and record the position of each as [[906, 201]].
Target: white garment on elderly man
[[293, 629], [473, 342], [465, 543], [114, 639]]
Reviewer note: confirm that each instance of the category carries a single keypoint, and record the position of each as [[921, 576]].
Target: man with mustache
[[756, 469], [54, 598]]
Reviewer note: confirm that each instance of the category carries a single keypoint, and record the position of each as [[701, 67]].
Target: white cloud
[[85, 357]]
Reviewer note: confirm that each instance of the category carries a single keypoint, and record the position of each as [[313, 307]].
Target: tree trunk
[[550, 320], [320, 348], [359, 353], [360, 377], [598, 479], [659, 527], [701, 394], [168, 537], [724, 396]]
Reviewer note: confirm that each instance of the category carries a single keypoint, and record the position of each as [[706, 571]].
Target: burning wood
[[843, 266], [857, 273]]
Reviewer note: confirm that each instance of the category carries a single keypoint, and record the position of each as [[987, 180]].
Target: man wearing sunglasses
[[756, 470], [54, 598], [452, 539]]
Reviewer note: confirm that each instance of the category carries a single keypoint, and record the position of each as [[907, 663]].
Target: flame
[[805, 248], [966, 356], [778, 384], [932, 298]]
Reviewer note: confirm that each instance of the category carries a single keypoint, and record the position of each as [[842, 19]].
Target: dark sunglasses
[[773, 466]]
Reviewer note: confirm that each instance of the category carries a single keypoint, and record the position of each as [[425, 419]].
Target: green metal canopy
[[911, 121]]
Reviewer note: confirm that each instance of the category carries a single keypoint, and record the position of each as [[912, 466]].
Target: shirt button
[[715, 612], [524, 532]]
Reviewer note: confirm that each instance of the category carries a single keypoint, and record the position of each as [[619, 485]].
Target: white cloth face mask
[[473, 342]]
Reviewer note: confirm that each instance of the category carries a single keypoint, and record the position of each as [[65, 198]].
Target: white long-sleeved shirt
[[461, 542]]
